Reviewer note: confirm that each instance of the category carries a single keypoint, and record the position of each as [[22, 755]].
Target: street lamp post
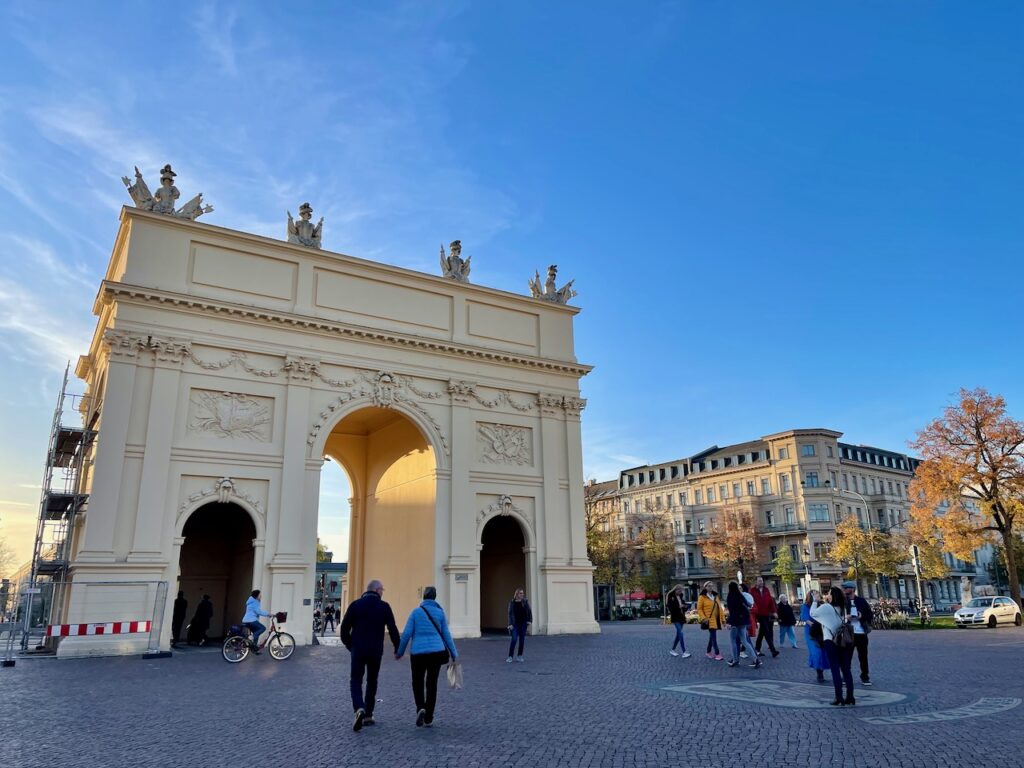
[[915, 557]]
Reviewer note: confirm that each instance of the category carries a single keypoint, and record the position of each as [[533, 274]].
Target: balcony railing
[[781, 529]]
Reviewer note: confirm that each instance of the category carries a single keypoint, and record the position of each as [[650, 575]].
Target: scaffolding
[[62, 500]]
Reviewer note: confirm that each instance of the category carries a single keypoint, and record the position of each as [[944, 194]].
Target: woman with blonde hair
[[710, 615], [677, 608], [519, 618]]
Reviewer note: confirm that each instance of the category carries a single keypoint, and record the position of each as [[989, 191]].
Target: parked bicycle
[[238, 642]]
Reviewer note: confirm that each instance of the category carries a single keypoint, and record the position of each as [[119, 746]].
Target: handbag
[[844, 635], [454, 671], [706, 623]]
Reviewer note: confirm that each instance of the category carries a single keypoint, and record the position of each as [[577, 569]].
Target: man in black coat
[[861, 617], [178, 617], [362, 632]]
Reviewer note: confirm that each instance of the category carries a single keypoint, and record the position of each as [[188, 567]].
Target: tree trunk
[[1011, 563]]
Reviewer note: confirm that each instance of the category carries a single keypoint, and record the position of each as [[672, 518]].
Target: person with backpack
[[430, 645], [677, 608], [520, 616], [711, 617], [838, 643]]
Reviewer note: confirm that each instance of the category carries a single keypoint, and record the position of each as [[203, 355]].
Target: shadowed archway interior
[[502, 570], [217, 560]]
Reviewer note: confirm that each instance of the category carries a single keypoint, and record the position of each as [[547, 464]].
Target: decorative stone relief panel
[[230, 415], [504, 444], [491, 505]]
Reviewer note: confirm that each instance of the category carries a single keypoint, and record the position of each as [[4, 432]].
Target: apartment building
[[796, 486]]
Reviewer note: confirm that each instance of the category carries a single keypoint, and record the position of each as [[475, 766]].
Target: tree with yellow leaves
[[969, 488], [732, 541]]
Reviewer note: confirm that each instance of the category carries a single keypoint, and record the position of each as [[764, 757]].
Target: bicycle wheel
[[281, 646], [235, 649]]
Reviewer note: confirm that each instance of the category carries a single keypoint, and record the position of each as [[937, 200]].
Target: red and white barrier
[[110, 628]]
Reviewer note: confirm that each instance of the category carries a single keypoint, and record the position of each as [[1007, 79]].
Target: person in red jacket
[[765, 611]]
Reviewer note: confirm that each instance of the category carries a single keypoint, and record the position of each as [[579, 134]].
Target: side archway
[[503, 568]]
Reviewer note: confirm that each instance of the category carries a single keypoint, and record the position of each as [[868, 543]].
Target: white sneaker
[[672, 653], [687, 655], [520, 659], [508, 660], [743, 654]]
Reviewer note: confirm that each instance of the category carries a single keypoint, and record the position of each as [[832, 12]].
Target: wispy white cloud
[[214, 25]]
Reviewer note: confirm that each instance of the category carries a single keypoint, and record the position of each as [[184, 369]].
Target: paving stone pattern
[[577, 701]]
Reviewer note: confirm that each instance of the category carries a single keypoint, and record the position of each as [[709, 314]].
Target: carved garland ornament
[[385, 390], [225, 491], [504, 506], [464, 391]]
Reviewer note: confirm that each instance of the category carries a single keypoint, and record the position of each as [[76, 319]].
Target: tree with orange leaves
[[970, 484], [731, 541]]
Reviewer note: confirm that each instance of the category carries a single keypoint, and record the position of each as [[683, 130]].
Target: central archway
[[392, 472]]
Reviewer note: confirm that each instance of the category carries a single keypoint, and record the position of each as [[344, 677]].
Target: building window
[[784, 482], [831, 454], [682, 498], [661, 473], [811, 479], [698, 496], [794, 552], [834, 479], [700, 525], [750, 488], [657, 502], [806, 450], [784, 453], [860, 517], [817, 513], [774, 553], [839, 512], [625, 507], [891, 491], [881, 518], [688, 526], [689, 559], [873, 486], [821, 550], [766, 486], [723, 492], [736, 490], [769, 517], [790, 515], [711, 495], [846, 482]]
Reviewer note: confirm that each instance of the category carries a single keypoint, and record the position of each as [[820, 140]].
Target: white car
[[988, 612]]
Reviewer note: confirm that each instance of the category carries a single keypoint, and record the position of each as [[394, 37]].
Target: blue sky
[[777, 214]]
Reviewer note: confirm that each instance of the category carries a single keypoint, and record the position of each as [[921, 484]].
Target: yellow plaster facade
[[226, 368]]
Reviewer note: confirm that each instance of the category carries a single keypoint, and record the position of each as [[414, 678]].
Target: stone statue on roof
[[453, 266], [303, 231], [549, 291], [166, 197]]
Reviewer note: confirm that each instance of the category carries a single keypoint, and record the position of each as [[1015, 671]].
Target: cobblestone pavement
[[578, 701]]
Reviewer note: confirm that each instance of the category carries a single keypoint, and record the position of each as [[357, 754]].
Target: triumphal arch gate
[[227, 368]]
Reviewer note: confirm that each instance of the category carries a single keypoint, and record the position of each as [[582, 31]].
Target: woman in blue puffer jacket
[[430, 645]]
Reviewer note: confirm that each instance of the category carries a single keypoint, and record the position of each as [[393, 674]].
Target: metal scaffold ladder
[[62, 500]]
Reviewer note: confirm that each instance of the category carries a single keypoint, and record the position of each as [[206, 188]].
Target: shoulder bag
[[454, 670], [706, 623], [844, 635]]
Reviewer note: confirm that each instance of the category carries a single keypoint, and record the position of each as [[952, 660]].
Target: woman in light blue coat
[[430, 645]]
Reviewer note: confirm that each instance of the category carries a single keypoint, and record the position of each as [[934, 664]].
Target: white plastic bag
[[455, 674]]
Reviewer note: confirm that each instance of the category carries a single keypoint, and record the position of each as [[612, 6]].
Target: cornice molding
[[124, 292]]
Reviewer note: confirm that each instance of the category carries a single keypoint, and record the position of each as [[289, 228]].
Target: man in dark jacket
[[765, 612], [861, 617], [178, 617], [362, 632]]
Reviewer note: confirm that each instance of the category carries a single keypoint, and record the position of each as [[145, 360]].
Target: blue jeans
[[785, 632], [371, 666], [839, 660], [518, 634], [257, 630], [680, 640], [713, 642], [740, 637]]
